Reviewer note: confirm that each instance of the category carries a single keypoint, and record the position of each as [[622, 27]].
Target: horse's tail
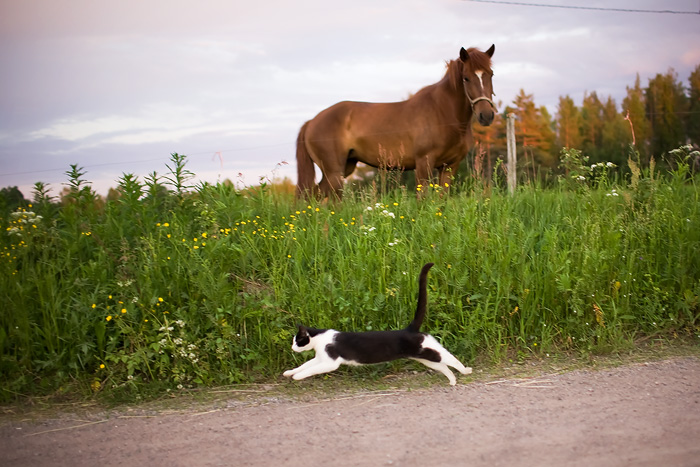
[[422, 299], [306, 174]]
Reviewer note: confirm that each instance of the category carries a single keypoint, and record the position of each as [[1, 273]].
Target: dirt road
[[640, 414]]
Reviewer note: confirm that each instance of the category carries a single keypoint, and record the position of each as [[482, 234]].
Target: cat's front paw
[[467, 371], [288, 373]]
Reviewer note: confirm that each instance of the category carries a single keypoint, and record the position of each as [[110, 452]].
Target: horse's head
[[476, 76]]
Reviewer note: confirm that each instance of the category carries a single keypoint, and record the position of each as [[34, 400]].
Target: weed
[[174, 286]]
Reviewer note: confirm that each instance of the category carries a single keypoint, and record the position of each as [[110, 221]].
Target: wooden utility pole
[[512, 158]]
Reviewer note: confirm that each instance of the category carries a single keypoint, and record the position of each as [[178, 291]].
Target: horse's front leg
[[424, 174], [448, 172]]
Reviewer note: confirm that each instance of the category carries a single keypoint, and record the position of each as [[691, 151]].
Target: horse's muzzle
[[486, 117], [484, 108]]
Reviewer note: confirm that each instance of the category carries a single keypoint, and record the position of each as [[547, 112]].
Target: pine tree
[[634, 111], [666, 106], [490, 143], [568, 123], [615, 136], [548, 155], [533, 132], [693, 121], [592, 126]]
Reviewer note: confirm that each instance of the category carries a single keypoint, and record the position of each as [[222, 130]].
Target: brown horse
[[430, 130]]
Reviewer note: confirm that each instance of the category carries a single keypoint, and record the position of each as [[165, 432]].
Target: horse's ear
[[463, 55], [491, 50]]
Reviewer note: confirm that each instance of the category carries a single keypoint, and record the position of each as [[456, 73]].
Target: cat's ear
[[302, 330]]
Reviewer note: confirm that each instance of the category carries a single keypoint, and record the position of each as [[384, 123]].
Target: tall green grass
[[172, 286]]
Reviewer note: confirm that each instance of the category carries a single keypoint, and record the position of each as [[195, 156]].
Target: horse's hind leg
[[332, 185]]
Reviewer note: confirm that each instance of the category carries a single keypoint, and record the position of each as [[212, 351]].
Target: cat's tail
[[422, 299]]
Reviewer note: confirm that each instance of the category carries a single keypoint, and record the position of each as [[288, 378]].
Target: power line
[[578, 7]]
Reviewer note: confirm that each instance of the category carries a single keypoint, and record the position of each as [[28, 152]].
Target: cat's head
[[302, 340]]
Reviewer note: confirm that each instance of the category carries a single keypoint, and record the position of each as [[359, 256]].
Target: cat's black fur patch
[[375, 346], [430, 355]]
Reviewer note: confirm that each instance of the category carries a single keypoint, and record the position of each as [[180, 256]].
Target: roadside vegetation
[[170, 286]]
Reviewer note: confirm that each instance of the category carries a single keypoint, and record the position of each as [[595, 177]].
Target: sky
[[116, 87]]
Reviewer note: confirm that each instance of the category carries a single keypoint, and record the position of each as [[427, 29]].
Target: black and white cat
[[334, 348]]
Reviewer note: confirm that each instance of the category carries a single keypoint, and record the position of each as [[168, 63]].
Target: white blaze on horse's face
[[479, 74]]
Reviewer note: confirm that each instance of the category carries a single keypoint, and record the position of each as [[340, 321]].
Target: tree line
[[655, 119]]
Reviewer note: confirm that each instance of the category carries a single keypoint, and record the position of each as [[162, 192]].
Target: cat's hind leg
[[445, 356], [451, 360], [438, 366]]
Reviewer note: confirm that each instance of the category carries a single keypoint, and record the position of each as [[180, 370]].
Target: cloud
[[103, 82], [153, 124]]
